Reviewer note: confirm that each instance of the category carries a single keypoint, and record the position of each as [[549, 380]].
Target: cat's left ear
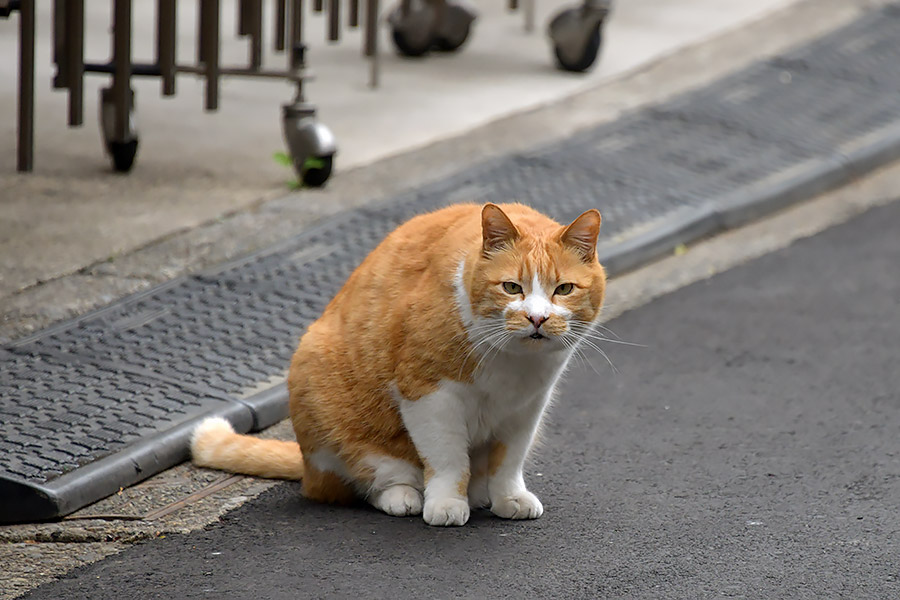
[[581, 234], [497, 230]]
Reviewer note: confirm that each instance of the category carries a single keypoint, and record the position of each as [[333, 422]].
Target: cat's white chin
[[526, 344]]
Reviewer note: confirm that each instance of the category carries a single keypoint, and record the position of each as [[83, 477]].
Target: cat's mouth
[[536, 336]]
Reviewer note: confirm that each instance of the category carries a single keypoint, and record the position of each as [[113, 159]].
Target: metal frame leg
[[250, 24], [74, 48], [530, 10], [25, 158], [295, 32], [370, 42], [166, 40], [353, 14], [208, 26], [59, 45], [280, 24], [121, 83], [334, 20]]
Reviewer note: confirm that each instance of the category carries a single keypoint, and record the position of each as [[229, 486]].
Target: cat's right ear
[[497, 231], [581, 235]]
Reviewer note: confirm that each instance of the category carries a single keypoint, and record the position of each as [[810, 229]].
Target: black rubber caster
[[576, 35], [316, 171], [310, 143], [122, 154], [420, 29], [451, 44], [409, 46], [587, 58]]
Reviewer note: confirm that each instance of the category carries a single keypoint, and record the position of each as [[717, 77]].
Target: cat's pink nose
[[537, 321]]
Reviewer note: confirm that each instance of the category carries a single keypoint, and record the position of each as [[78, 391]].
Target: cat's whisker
[[608, 330], [594, 368], [494, 339], [587, 363], [480, 333], [481, 327], [490, 335], [591, 344], [588, 331], [488, 339], [501, 341], [585, 334], [476, 331], [496, 347], [573, 343], [600, 338]]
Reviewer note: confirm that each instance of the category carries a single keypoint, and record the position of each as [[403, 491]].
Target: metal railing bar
[[25, 152], [122, 72], [166, 41], [74, 45]]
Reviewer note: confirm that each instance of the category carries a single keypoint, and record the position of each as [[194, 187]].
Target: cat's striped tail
[[215, 444]]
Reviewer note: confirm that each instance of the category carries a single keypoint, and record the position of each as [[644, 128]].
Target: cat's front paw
[[398, 501], [444, 512], [521, 505]]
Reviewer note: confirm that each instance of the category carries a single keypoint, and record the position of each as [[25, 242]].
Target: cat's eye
[[564, 289], [511, 287]]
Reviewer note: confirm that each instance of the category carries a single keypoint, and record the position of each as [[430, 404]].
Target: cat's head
[[538, 282]]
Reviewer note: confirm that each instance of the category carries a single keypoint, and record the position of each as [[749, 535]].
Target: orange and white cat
[[422, 385]]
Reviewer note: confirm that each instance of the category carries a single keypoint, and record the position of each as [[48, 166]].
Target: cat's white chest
[[509, 391]]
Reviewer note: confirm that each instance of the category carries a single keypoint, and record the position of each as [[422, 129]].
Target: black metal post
[[334, 20], [371, 37], [75, 60], [166, 44], [254, 29], [59, 45], [209, 50], [122, 74], [371, 41], [280, 24], [25, 158], [296, 30], [353, 14]]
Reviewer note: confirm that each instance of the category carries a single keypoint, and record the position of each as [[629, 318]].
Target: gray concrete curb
[[734, 211]]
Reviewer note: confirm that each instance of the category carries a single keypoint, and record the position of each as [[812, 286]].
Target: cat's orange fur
[[395, 331]]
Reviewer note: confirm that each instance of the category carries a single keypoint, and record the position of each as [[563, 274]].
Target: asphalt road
[[752, 449]]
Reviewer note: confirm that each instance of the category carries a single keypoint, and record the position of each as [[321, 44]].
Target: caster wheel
[[451, 44], [421, 29], [122, 154], [587, 58], [316, 170], [310, 143], [409, 46], [453, 30], [576, 34]]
